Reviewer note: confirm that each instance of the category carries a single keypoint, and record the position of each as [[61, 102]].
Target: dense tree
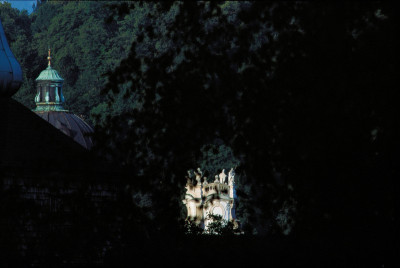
[[84, 48], [17, 28], [298, 90], [299, 97]]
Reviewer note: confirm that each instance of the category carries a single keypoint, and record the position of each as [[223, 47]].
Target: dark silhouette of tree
[[302, 93], [301, 96]]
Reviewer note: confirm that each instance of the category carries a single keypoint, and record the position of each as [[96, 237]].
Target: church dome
[[49, 106], [10, 70], [49, 75], [71, 125]]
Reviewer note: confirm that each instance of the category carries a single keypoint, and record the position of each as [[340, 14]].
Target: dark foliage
[[302, 92]]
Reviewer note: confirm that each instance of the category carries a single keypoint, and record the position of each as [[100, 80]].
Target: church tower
[[49, 106], [217, 198], [49, 95]]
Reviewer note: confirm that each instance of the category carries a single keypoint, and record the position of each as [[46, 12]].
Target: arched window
[[42, 93], [218, 211]]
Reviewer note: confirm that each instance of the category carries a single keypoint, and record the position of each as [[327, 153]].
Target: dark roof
[[28, 142], [71, 125]]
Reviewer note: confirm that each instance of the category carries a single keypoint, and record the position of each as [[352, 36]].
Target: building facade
[[217, 198]]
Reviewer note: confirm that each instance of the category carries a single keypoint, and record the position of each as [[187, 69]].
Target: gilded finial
[[49, 57]]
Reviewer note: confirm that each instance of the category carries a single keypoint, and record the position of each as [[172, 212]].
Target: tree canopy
[[298, 96], [83, 45], [301, 92]]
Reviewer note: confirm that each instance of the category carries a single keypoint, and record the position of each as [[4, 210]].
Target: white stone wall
[[204, 198]]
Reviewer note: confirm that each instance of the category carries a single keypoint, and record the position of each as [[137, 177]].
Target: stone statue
[[222, 176], [216, 178], [189, 177], [205, 182], [199, 171], [231, 177], [198, 177]]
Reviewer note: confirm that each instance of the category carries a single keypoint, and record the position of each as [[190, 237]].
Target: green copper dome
[[49, 106], [49, 95], [49, 74]]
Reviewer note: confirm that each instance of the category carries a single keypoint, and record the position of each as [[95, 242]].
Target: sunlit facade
[[217, 198]]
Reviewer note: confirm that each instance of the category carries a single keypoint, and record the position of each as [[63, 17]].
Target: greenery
[[300, 97], [217, 226], [84, 47], [294, 89]]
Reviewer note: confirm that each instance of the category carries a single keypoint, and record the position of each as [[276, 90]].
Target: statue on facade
[[199, 171], [231, 177], [198, 177], [222, 176], [188, 178]]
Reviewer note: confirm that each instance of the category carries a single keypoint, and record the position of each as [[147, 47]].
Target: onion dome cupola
[[49, 95], [49, 106], [10, 70]]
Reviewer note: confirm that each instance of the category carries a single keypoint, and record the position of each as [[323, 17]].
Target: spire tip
[[49, 58]]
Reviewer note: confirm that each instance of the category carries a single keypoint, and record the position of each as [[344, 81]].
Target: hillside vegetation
[[299, 96], [84, 48]]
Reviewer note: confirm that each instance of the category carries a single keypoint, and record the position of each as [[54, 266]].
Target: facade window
[[42, 93]]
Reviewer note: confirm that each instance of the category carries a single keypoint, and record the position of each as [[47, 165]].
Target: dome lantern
[[49, 106], [49, 96]]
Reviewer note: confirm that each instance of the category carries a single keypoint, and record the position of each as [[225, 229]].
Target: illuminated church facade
[[218, 198]]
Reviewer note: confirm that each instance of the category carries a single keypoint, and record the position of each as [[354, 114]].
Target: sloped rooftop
[[29, 142]]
